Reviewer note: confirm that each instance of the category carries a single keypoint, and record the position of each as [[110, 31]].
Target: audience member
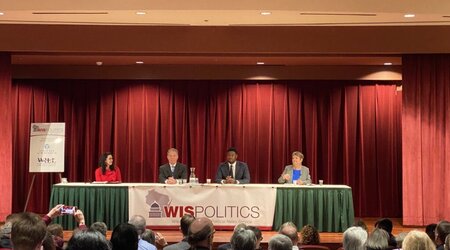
[[125, 237], [400, 238], [185, 222], [56, 231], [416, 240], [100, 227], [227, 246], [290, 230], [5, 240], [149, 236], [139, 223], [430, 230], [310, 235], [201, 234], [88, 240], [280, 242], [354, 238], [447, 242], [378, 239], [28, 231], [362, 224], [48, 243], [442, 230], [258, 235], [244, 239], [386, 225]]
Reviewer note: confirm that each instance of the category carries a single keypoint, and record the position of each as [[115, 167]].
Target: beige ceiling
[[218, 12]]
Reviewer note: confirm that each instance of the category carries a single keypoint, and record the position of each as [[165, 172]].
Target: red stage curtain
[[426, 135], [5, 137], [348, 131]]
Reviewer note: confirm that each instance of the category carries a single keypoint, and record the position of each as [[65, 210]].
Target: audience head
[[416, 240], [149, 236], [400, 238], [354, 238], [385, 224], [362, 224], [430, 230], [56, 230], [185, 222], [139, 223], [88, 240], [258, 235], [442, 230], [310, 235], [124, 237], [99, 227], [201, 233], [378, 239], [28, 231], [48, 243], [290, 230], [243, 239], [280, 242]]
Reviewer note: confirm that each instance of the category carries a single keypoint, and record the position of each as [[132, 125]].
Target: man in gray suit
[[296, 173], [232, 171], [170, 172]]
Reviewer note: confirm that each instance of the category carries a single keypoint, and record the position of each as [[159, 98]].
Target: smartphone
[[68, 209]]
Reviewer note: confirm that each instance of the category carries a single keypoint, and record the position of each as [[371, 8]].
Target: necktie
[[231, 171]]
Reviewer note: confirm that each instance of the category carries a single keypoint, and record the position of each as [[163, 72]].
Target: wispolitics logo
[[161, 206]]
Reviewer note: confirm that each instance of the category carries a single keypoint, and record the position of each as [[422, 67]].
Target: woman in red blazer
[[106, 170]]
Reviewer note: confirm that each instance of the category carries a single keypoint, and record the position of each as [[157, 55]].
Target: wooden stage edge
[[332, 240]]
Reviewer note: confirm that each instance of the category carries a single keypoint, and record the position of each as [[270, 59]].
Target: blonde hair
[[298, 154], [417, 240]]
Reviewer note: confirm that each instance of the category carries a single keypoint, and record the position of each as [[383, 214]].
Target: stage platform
[[331, 240]]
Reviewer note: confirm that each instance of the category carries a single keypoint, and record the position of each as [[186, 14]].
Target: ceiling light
[[141, 13], [99, 63], [387, 63], [266, 13], [409, 15], [260, 63], [139, 62]]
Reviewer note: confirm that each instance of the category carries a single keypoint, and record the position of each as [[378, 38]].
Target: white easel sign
[[47, 147]]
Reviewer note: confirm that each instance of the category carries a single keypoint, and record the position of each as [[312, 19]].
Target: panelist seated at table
[[233, 171], [173, 170], [106, 170], [296, 173]]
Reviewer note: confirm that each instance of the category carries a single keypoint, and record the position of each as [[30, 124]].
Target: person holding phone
[[106, 170]]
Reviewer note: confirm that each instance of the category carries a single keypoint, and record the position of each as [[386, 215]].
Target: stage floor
[[332, 240]]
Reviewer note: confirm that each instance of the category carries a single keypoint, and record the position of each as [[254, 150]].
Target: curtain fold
[[349, 131], [426, 135]]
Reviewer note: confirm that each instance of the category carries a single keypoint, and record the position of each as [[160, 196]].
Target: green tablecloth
[[328, 209], [107, 204]]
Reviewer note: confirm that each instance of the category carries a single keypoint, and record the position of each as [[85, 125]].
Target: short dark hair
[[100, 227], [256, 231], [232, 149], [442, 230], [385, 224], [28, 231], [185, 222], [56, 230], [124, 237], [430, 230], [88, 240], [149, 236]]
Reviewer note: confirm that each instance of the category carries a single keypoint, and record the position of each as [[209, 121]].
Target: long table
[[328, 207]]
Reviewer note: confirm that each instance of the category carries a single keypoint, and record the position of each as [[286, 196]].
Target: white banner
[[224, 205], [47, 147]]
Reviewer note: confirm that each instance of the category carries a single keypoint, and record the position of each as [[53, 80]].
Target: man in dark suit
[[232, 171], [170, 172]]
